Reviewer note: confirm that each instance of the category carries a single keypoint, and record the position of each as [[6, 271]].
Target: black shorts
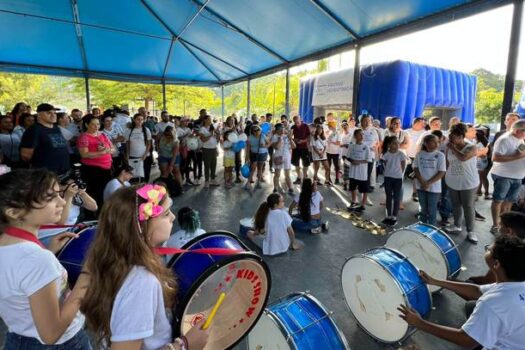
[[301, 154], [360, 185]]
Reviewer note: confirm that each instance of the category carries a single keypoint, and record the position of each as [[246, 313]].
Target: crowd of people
[[62, 168]]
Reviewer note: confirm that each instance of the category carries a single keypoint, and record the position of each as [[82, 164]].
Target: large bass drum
[[243, 276], [375, 283]]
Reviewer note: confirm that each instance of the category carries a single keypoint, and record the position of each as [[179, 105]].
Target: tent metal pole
[[512, 60], [88, 96], [357, 72], [287, 106], [222, 101], [163, 95], [248, 99]]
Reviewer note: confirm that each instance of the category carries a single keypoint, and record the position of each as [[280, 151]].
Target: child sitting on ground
[[279, 234], [310, 203]]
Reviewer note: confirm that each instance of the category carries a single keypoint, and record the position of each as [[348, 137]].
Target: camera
[[72, 174]]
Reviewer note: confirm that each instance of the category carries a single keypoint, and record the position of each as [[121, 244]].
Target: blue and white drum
[[245, 225], [243, 276], [298, 322], [375, 283], [73, 253], [429, 249]]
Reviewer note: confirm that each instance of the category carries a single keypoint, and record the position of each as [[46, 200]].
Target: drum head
[[268, 333], [422, 252], [245, 279], [373, 296]]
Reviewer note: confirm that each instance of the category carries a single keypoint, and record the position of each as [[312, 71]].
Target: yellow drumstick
[[214, 311]]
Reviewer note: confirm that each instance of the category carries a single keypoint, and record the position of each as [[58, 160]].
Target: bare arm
[[50, 319], [89, 203], [496, 157], [26, 154], [292, 207], [460, 155]]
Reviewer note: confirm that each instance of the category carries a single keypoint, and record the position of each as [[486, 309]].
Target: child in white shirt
[[358, 155], [395, 165]]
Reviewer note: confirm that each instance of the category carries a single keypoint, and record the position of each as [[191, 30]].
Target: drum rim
[[177, 316], [410, 329], [195, 239], [280, 325], [83, 229], [450, 274], [329, 314]]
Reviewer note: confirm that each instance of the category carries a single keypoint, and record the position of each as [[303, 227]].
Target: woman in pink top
[[95, 150]]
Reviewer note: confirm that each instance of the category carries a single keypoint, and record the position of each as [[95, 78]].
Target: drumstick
[[214, 311]]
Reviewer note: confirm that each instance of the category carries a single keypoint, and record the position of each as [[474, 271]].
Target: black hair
[[438, 133], [426, 139], [16, 108], [321, 136], [25, 189], [459, 129], [23, 117], [261, 214], [386, 143], [284, 116], [357, 131], [86, 120], [188, 219], [515, 221], [481, 136], [123, 167], [510, 252], [305, 200]]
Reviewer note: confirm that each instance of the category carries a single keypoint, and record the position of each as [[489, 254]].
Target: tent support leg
[[88, 96], [163, 95], [287, 106], [248, 99], [512, 60], [222, 101], [355, 97]]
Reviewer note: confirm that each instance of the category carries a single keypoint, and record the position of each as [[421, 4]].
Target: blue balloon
[[236, 147], [266, 128], [245, 171]]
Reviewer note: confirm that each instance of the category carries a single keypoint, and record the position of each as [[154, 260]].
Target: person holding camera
[[95, 150]]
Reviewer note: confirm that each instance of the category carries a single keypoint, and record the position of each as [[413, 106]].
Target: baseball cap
[[46, 107]]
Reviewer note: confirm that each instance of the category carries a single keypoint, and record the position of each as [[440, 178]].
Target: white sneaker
[[316, 230], [472, 237], [453, 229], [369, 202]]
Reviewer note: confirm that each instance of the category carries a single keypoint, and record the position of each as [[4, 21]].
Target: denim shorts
[[164, 160], [258, 157], [506, 189], [80, 341]]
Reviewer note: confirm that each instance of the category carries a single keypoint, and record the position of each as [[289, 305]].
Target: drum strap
[[210, 251], [48, 227]]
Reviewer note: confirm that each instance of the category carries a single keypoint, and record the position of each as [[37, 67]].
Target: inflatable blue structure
[[404, 89]]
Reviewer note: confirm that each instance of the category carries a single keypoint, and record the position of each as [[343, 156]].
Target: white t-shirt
[[401, 135], [212, 142], [315, 203], [371, 139], [429, 164], [358, 152], [163, 125], [320, 146], [137, 147], [139, 312], [498, 321], [25, 268], [414, 138], [462, 175], [228, 150], [284, 149], [114, 185], [346, 139], [334, 137], [180, 238], [182, 132], [393, 166], [123, 120], [507, 145], [276, 239]]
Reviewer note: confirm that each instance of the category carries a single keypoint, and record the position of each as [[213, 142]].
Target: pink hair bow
[[153, 194]]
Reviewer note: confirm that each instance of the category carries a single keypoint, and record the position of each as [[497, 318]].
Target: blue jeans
[[299, 225], [445, 204], [18, 342], [429, 203], [394, 195]]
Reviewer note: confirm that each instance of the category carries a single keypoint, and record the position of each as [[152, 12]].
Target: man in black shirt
[[43, 145]]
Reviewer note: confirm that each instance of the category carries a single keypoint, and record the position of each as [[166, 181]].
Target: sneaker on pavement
[[369, 202], [324, 226], [316, 230], [291, 192], [352, 206], [297, 182], [258, 185], [360, 208], [479, 217], [238, 180], [472, 237], [453, 229], [494, 230]]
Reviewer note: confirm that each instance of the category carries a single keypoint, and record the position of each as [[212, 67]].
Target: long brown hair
[[264, 209], [119, 246]]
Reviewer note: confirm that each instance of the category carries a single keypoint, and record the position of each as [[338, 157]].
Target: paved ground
[[317, 267]]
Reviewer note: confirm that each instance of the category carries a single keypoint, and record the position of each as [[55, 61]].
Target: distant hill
[[488, 80]]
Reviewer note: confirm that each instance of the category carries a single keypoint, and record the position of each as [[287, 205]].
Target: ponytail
[[305, 199], [264, 209]]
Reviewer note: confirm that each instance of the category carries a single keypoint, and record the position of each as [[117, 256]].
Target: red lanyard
[[210, 251], [22, 234]]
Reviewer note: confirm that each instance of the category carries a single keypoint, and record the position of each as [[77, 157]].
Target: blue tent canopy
[[405, 89], [206, 42]]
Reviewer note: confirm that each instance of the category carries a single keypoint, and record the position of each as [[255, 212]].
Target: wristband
[[181, 342]]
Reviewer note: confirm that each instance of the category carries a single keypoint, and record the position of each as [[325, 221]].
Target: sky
[[479, 41]]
